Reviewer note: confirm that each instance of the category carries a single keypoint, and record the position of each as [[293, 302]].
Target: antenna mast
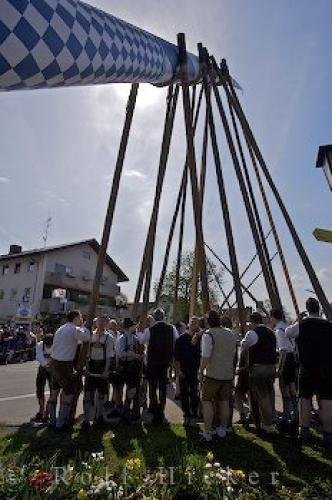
[[47, 227]]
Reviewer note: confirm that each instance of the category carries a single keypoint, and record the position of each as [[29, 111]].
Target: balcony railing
[[55, 306], [60, 280]]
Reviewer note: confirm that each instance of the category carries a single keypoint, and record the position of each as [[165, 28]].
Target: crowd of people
[[16, 344], [129, 368]]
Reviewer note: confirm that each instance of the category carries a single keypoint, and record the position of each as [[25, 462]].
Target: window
[[86, 254], [2, 294], [31, 266], [5, 269], [62, 269], [17, 268], [13, 294], [27, 295]]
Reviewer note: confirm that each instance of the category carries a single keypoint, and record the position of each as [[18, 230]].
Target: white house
[[54, 280]]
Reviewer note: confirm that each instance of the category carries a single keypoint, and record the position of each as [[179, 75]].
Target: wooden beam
[[191, 155]]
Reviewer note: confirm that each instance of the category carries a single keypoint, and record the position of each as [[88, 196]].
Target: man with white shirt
[[160, 340], [260, 343], [286, 369], [65, 343], [314, 341]]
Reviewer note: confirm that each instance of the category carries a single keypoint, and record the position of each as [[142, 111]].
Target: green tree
[[185, 282]]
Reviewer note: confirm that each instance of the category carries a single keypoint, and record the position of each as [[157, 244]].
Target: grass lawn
[[169, 446]]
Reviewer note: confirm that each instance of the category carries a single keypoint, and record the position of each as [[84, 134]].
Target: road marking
[[22, 396]]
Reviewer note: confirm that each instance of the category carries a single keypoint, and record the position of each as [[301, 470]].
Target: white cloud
[[134, 173], [325, 274], [4, 180]]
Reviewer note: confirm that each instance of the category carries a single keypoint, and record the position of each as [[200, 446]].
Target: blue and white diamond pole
[[60, 43]]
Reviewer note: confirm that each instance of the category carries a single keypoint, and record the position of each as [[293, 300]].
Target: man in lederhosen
[[96, 387], [286, 369], [65, 343], [313, 335]]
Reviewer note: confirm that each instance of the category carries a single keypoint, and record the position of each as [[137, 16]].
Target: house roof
[[322, 151], [93, 243]]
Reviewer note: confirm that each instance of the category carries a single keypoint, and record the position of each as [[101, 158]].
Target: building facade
[[54, 280]]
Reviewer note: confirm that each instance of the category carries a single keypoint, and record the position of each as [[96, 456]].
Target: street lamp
[[324, 160]]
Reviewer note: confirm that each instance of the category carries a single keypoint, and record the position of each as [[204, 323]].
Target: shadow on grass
[[173, 446], [29, 443], [307, 464]]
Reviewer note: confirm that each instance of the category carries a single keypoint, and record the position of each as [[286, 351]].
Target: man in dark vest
[[314, 341], [160, 340], [260, 342]]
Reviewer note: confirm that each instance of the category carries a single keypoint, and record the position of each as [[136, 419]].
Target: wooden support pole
[[179, 254], [242, 286], [191, 156], [275, 233], [177, 208], [171, 234], [110, 211], [246, 269], [217, 280], [194, 283], [106, 232], [257, 276], [162, 170], [265, 250], [224, 205], [147, 261], [244, 193], [228, 81], [297, 241]]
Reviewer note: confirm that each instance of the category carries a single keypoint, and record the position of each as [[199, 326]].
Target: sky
[[58, 147]]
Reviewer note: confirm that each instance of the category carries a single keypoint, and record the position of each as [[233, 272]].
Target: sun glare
[[148, 95]]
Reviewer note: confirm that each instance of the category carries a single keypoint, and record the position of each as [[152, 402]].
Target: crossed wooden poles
[[244, 151]]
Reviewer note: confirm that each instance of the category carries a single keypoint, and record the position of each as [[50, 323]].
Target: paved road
[[18, 401]]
